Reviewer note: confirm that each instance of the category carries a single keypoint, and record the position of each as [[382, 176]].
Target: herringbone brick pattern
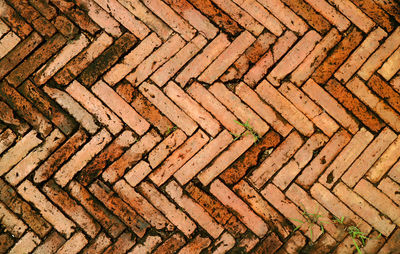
[[199, 126]]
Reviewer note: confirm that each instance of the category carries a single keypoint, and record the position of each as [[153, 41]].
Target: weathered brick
[[381, 88], [124, 242], [331, 14], [137, 173], [98, 245], [171, 245], [148, 245], [52, 243], [390, 188], [12, 19], [196, 245], [73, 244], [65, 26], [26, 243], [11, 222], [7, 138]]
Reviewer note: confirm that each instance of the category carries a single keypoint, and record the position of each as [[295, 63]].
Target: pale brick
[[71, 106], [33, 159], [82, 157], [368, 157], [147, 246], [131, 157], [262, 109], [224, 243], [391, 66], [25, 244], [211, 104], [7, 43], [192, 108], [196, 245], [362, 208], [170, 68], [330, 13], [3, 28], [226, 58], [354, 14], [392, 244], [328, 103], [311, 173], [142, 206], [164, 12], [285, 15], [303, 103], [121, 14], [135, 175], [168, 108], [260, 69], [315, 58], [360, 55], [155, 60], [225, 159], [299, 160], [384, 111], [346, 157], [137, 8], [94, 106], [178, 158], [379, 200], [287, 109], [201, 61], [244, 213], [380, 55], [240, 16], [241, 110], [132, 59], [98, 245], [294, 57], [121, 107], [18, 151], [194, 209], [336, 207], [61, 59], [11, 222], [385, 162], [7, 138], [30, 193], [177, 217], [276, 160], [52, 243], [77, 242], [203, 157], [390, 188]]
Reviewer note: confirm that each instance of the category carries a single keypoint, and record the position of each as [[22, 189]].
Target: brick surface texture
[[199, 126]]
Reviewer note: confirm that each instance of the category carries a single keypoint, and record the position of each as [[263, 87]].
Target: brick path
[[199, 126]]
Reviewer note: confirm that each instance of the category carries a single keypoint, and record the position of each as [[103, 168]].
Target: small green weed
[[355, 233], [170, 130], [249, 130]]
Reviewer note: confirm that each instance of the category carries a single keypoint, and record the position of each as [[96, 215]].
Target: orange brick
[[250, 158], [381, 88], [315, 58], [380, 55], [294, 57], [65, 26], [134, 221], [73, 68], [148, 245], [166, 106], [196, 245], [385, 162], [71, 208], [202, 60], [357, 87], [245, 214], [346, 157], [142, 206], [287, 109], [94, 106], [270, 243], [226, 58], [373, 10], [132, 59], [122, 15], [137, 173], [193, 209], [390, 188], [241, 110], [371, 154], [8, 117], [360, 55], [302, 102], [262, 109], [211, 104], [262, 208], [30, 193], [134, 154], [322, 160], [124, 242], [331, 106], [98, 245], [362, 208], [16, 23], [276, 160], [390, 7], [171, 245], [192, 108], [294, 244], [226, 158], [177, 217], [178, 158], [224, 243], [108, 220], [330, 13], [73, 245], [299, 160], [82, 157], [392, 244]]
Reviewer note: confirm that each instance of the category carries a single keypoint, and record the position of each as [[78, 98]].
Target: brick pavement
[[199, 126]]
